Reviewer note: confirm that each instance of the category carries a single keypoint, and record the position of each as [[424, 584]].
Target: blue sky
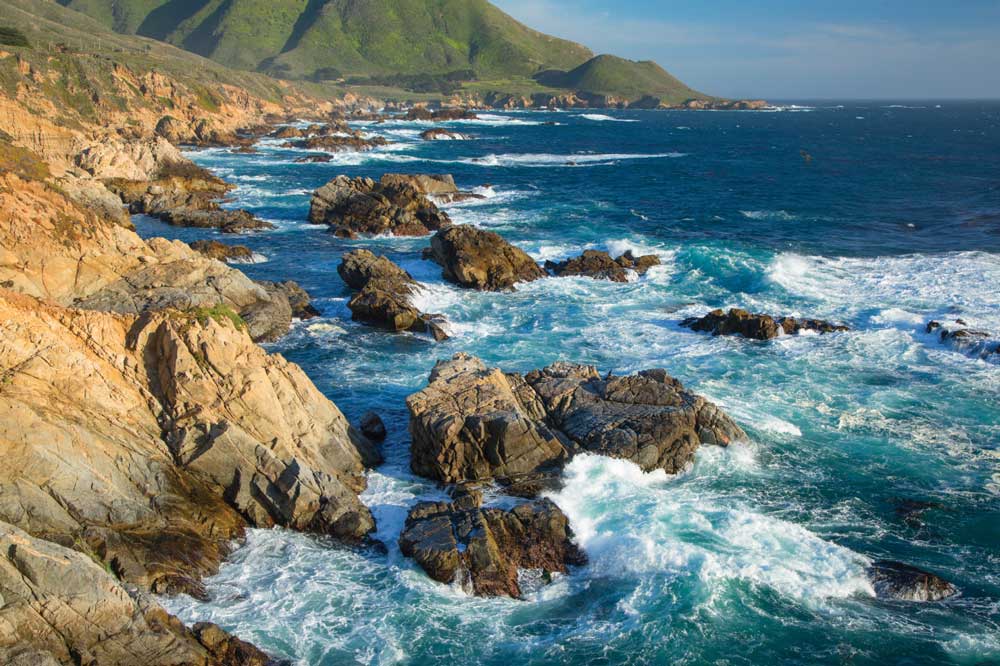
[[780, 49]]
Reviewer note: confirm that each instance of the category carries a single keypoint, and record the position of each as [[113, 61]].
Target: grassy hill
[[610, 75], [298, 38]]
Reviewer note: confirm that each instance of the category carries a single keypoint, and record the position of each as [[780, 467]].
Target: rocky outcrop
[[372, 427], [600, 266], [484, 548], [479, 259], [185, 195], [475, 423], [60, 607], [423, 113], [221, 252], [383, 298], [895, 580], [151, 441], [298, 298], [756, 326], [441, 187], [120, 159], [975, 343], [441, 134], [338, 143], [362, 206]]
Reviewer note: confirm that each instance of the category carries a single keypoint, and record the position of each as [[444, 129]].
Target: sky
[[788, 50]]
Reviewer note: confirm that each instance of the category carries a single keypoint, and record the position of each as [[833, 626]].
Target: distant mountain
[[332, 38], [614, 76]]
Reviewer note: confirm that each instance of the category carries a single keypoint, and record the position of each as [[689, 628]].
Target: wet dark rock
[[422, 113], [599, 265], [441, 134], [756, 326], [363, 206], [372, 427], [486, 547], [975, 343], [474, 423], [383, 298], [479, 259], [315, 159], [911, 511], [338, 143], [895, 580]]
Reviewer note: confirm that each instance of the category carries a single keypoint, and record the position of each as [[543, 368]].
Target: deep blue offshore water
[[882, 216]]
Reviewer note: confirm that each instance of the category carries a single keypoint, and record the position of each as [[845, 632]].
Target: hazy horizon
[[778, 49]]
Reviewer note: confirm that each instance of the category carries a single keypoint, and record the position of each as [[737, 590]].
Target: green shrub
[[13, 37]]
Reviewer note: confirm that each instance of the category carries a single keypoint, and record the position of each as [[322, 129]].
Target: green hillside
[[610, 75], [298, 38]]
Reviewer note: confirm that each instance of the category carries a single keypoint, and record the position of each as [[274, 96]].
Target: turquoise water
[[756, 555]]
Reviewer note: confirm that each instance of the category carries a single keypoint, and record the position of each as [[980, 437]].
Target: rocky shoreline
[[145, 430]]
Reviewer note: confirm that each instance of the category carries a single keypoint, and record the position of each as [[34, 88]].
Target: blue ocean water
[[882, 216]]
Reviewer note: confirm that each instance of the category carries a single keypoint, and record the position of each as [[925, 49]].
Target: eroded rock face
[[485, 547], [362, 206], [475, 423], [895, 580], [600, 266], [152, 441], [61, 607], [383, 298], [756, 326], [479, 259]]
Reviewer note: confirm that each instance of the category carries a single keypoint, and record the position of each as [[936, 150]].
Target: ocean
[[882, 442]]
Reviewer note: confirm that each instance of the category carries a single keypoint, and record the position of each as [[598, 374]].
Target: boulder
[[60, 607], [221, 252], [337, 143], [479, 259], [441, 187], [975, 343], [383, 298], [298, 298], [484, 548], [475, 423], [372, 427], [362, 206], [895, 580], [150, 442], [756, 326], [423, 113], [600, 266]]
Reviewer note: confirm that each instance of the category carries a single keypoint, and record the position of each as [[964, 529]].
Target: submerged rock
[[599, 265], [486, 547], [475, 423], [338, 143], [969, 341], [383, 298], [756, 326], [895, 580], [363, 206], [372, 427], [479, 259]]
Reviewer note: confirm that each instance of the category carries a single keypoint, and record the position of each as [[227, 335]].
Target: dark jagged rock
[[599, 265], [363, 206], [383, 297], [895, 580], [227, 650], [372, 427], [969, 341], [227, 221], [475, 423], [423, 113], [221, 252], [441, 187], [479, 259], [756, 326], [313, 159], [486, 547], [338, 143]]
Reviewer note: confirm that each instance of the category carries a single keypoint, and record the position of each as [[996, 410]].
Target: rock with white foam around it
[[477, 423], [756, 326], [486, 548], [895, 580]]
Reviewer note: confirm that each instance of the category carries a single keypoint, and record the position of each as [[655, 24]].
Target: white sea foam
[[779, 215], [602, 118], [255, 258], [550, 160], [634, 524]]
